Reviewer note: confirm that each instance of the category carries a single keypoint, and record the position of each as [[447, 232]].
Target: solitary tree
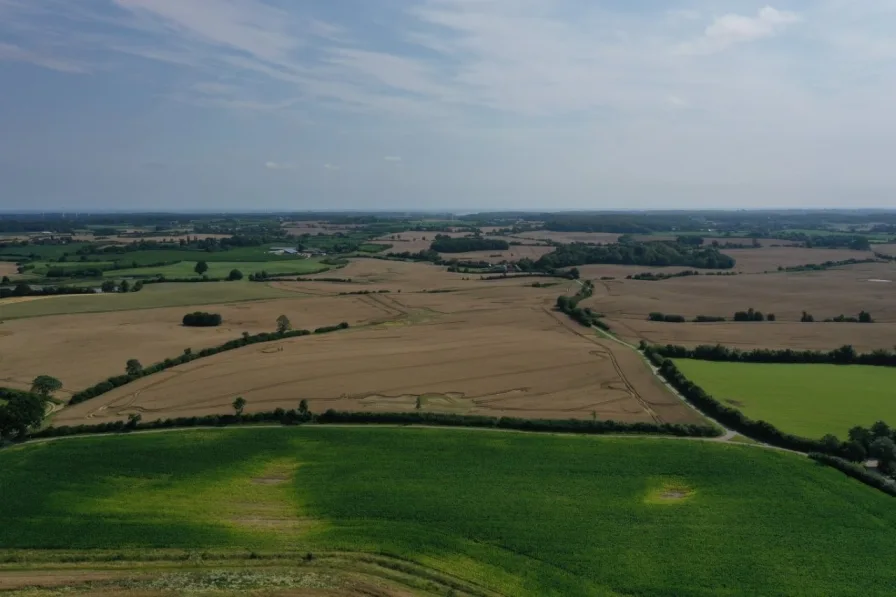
[[133, 420], [201, 267], [283, 324], [133, 367], [807, 318], [5, 280], [303, 406], [125, 286], [44, 385], [419, 403], [235, 274], [771, 317], [865, 317], [108, 286], [238, 405]]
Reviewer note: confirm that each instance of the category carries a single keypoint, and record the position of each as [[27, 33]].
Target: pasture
[[221, 269], [152, 296], [805, 400], [501, 513]]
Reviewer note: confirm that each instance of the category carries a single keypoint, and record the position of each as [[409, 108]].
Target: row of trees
[[751, 315], [845, 355], [653, 254], [133, 373]]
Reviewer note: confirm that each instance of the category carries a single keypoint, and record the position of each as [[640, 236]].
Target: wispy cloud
[[392, 158], [12, 53], [731, 29]]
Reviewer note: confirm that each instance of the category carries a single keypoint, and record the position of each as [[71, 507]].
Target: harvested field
[[845, 290], [82, 350], [596, 238], [770, 258], [798, 336], [474, 352], [8, 268], [888, 249]]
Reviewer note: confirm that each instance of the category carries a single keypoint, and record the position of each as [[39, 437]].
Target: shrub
[[202, 319]]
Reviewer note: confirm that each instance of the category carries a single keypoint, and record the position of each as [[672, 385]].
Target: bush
[[202, 319], [708, 319], [856, 471], [668, 318]]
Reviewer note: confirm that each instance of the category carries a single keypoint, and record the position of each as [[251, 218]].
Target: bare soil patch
[[491, 350], [8, 268], [84, 349]]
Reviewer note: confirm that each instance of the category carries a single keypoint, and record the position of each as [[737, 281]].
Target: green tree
[[831, 443], [238, 405], [44, 385], [884, 449], [283, 324], [235, 274], [771, 317], [133, 367], [861, 435], [134, 420], [865, 317], [807, 318], [5, 280], [881, 429], [201, 267], [855, 451], [303, 406], [125, 286], [108, 286]]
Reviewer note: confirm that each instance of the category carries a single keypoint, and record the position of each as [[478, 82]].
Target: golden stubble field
[[415, 241], [494, 348], [84, 349]]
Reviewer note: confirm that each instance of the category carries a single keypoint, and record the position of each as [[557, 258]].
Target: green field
[[220, 269], [152, 296], [806, 400], [41, 251], [521, 514]]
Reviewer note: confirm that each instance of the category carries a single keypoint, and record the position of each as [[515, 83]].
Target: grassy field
[[220, 269], [41, 251], [806, 400], [520, 514], [152, 296]]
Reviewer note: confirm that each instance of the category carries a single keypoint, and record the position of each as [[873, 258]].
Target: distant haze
[[462, 105]]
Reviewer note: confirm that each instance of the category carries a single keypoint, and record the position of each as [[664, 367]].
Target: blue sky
[[446, 104]]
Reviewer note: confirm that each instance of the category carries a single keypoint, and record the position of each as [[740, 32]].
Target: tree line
[[845, 355], [188, 355], [654, 254], [300, 416]]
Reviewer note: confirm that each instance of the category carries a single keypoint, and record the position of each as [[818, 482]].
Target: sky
[[446, 104]]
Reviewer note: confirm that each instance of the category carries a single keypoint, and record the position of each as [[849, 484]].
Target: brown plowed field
[[769, 258], [8, 268], [888, 249], [491, 349], [84, 349], [569, 237]]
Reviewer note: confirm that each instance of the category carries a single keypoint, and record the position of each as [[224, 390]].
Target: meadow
[[221, 269], [513, 513], [805, 400], [152, 296]]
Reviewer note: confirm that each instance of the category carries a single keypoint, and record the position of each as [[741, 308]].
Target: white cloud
[[731, 29], [279, 166], [392, 158], [331, 167]]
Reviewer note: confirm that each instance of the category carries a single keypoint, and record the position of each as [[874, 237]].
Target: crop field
[[152, 296], [476, 351], [8, 268], [847, 290], [596, 238], [506, 513], [806, 400], [84, 349], [42, 251], [220, 269]]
